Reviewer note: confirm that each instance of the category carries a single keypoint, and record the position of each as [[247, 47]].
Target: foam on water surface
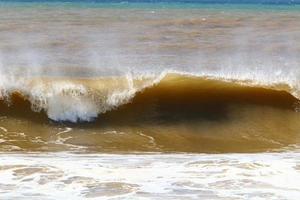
[[170, 176]]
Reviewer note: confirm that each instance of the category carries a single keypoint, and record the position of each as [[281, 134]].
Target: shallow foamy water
[[150, 176]]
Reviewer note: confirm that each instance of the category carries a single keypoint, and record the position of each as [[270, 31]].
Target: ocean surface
[[150, 99]]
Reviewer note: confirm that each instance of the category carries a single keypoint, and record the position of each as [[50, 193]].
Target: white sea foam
[[167, 176], [63, 101], [66, 100]]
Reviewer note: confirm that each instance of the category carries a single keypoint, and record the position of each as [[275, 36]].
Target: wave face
[[174, 112], [170, 95]]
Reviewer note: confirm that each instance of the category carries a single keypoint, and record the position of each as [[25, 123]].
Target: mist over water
[[68, 40]]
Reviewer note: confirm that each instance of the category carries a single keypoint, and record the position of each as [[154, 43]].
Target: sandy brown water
[[149, 102], [181, 113]]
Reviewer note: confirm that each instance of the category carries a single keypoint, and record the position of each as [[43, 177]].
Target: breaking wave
[[168, 95]]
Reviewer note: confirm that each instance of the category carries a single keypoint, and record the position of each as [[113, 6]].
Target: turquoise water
[[214, 5]]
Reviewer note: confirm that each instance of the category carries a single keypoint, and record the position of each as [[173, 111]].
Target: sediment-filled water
[[147, 100]]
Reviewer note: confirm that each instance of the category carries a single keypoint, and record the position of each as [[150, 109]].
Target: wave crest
[[84, 99]]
